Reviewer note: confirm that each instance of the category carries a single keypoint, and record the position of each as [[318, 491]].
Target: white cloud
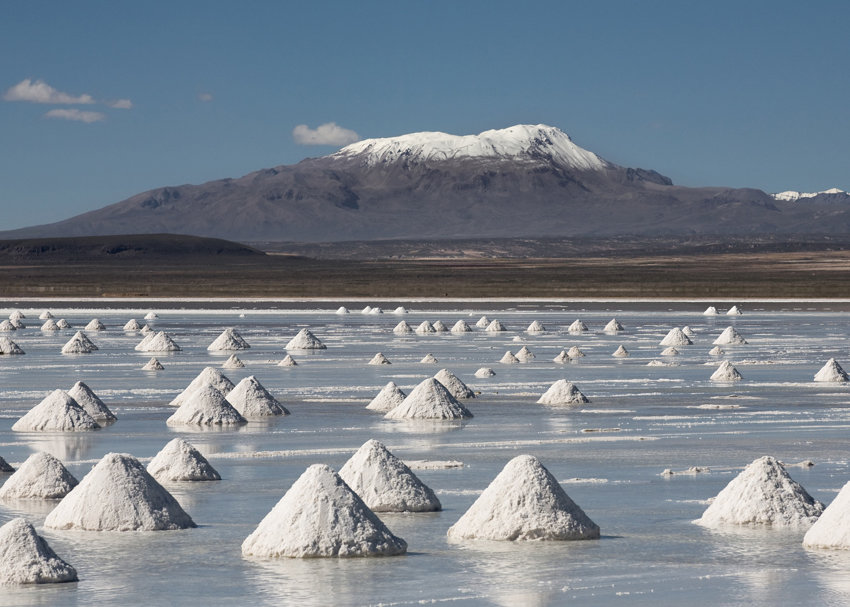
[[329, 133], [74, 114], [121, 104], [41, 92], [205, 97]]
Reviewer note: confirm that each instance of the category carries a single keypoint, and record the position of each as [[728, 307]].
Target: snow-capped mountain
[[792, 195]]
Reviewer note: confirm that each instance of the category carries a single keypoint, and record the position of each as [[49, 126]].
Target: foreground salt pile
[[387, 399], [79, 344], [832, 529], [453, 384], [209, 376], [524, 502], [58, 412], [206, 406], [763, 494], [180, 461], [42, 476], [562, 392], [461, 326], [26, 558], [729, 337], [250, 398], [228, 340], [7, 346], [118, 494], [379, 359], [831, 372], [402, 328], [676, 337], [153, 365], [320, 516], [90, 401], [726, 372], [429, 400], [157, 342], [305, 340], [385, 483], [233, 362]]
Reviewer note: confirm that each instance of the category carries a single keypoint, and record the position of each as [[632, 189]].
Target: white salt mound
[[385, 483], [524, 502], [151, 316], [209, 376], [562, 357], [676, 337], [58, 412], [118, 494], [63, 324], [495, 327], [206, 406], [620, 352], [729, 337], [379, 359], [366, 310], [42, 476], [763, 494], [287, 361], [157, 342], [716, 351], [425, 327], [509, 358], [669, 351], [46, 315], [440, 327], [402, 328], [524, 355], [613, 326], [535, 327], [342, 310], [320, 516], [429, 400], [400, 310], [484, 372], [233, 362], [50, 325], [79, 344], [8, 325], [145, 330], [18, 324], [17, 315], [832, 529], [95, 325], [429, 359], [90, 401], [387, 399], [251, 399], [376, 310], [688, 331], [831, 372], [726, 372], [733, 311], [710, 311], [180, 461], [305, 340], [562, 392], [153, 365], [461, 326], [482, 322], [7, 346], [26, 558], [454, 384], [574, 352], [228, 340], [577, 327], [132, 325]]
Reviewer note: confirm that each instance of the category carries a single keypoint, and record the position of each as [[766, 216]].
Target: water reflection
[[66, 446]]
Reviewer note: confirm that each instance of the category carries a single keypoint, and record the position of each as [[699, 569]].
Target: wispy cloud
[[205, 97], [329, 133], [121, 104], [41, 92], [77, 115]]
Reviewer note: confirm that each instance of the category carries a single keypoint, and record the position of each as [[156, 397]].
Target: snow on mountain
[[791, 195]]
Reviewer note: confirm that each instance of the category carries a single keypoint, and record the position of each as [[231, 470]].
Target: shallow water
[[608, 454]]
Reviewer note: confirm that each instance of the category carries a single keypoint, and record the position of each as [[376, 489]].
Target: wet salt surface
[[608, 454]]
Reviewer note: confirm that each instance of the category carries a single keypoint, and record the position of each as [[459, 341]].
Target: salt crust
[[562, 392], [620, 352], [524, 502], [41, 476], [402, 328], [524, 355], [461, 326], [763, 494], [429, 359], [153, 365], [484, 372], [440, 327], [509, 358], [118, 494], [250, 398], [206, 406], [379, 359], [387, 399], [453, 384], [613, 326], [535, 327], [577, 327], [495, 327], [287, 361], [831, 372], [676, 337], [228, 340], [305, 340], [710, 311], [832, 529], [57, 412], [95, 325], [179, 460], [429, 400], [385, 483], [209, 376], [26, 558], [7, 346], [90, 401], [233, 362], [729, 337], [157, 342], [132, 325], [320, 516], [726, 372], [482, 322], [425, 327]]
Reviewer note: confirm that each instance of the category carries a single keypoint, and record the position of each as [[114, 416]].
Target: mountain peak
[[520, 142]]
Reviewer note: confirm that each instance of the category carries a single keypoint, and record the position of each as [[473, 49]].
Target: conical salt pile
[[440, 327], [385, 483], [151, 316], [562, 357], [180, 461], [118, 494], [252, 400], [89, 401], [429, 400], [7, 325], [287, 361], [7, 346], [453, 384], [376, 310], [429, 359], [716, 351], [5, 467], [509, 358], [63, 324], [400, 310], [95, 325], [132, 325], [831, 372], [17, 315], [461, 326], [153, 365], [524, 502], [574, 352], [42, 476], [146, 330], [688, 331], [320, 516], [379, 359], [562, 392], [676, 337], [58, 412], [535, 327], [402, 328], [482, 322], [26, 558], [424, 328], [342, 310], [157, 342], [726, 372], [495, 327], [577, 327], [366, 310], [18, 324], [305, 340], [79, 344], [46, 315], [387, 399], [613, 326], [233, 362], [710, 311], [763, 494], [484, 373], [669, 351], [206, 406], [209, 376], [729, 337], [832, 529], [733, 311], [620, 352], [50, 325], [524, 355], [228, 340]]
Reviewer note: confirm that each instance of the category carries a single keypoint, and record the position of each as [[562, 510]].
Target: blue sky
[[709, 93]]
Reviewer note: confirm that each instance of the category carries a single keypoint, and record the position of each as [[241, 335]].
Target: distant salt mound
[[429, 400], [17, 315], [763, 494], [5, 467], [425, 328], [7, 346], [7, 325], [574, 352], [251, 399], [495, 327], [233, 362], [524, 355], [454, 384], [132, 325], [733, 311], [524, 502], [509, 358], [429, 359], [228, 340], [42, 476], [710, 311], [688, 331], [385, 483], [179, 460], [400, 310], [209, 376], [49, 325], [669, 351], [656, 363], [484, 373], [342, 310], [46, 315], [376, 310], [206, 406], [63, 324], [402, 328], [577, 327], [157, 342], [151, 316], [729, 337], [146, 330], [79, 344], [482, 322], [379, 359], [536, 327], [726, 372], [90, 401], [153, 365], [95, 325], [562, 357], [831, 372], [57, 412], [17, 323], [832, 529], [305, 340], [320, 516], [620, 352], [562, 392], [118, 494], [440, 327], [613, 326], [26, 558], [461, 326], [676, 337], [287, 361], [387, 399], [366, 310], [716, 351]]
